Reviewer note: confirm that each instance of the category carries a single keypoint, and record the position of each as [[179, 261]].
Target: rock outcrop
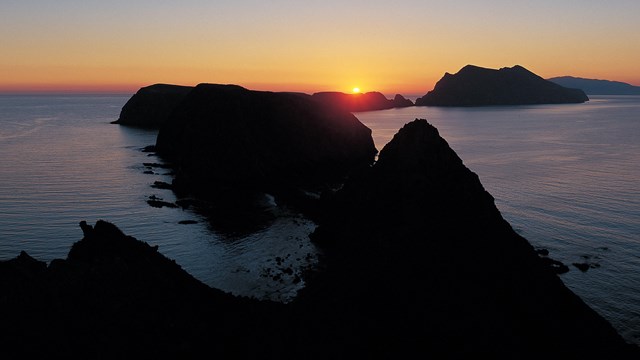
[[117, 297], [417, 254], [360, 102], [225, 137], [400, 101], [597, 87], [476, 86], [151, 106]]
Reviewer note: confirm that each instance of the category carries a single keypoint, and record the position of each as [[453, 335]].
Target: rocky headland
[[368, 101], [477, 86], [417, 261], [151, 106], [229, 144]]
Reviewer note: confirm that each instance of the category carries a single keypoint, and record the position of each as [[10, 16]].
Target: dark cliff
[[151, 106], [476, 86], [117, 297], [417, 262], [225, 136], [417, 254], [360, 102]]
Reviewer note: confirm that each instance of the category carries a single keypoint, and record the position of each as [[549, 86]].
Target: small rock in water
[[187, 222]]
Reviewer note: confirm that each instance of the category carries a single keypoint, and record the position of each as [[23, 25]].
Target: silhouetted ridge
[[597, 87], [151, 106], [418, 254], [477, 86], [360, 102], [417, 263]]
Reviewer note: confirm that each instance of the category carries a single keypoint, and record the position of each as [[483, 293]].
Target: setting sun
[[356, 90]]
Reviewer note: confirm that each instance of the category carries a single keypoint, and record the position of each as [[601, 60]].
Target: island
[[477, 86], [597, 87], [368, 101], [152, 105]]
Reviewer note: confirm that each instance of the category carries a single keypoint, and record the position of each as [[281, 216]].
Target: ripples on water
[[565, 176]]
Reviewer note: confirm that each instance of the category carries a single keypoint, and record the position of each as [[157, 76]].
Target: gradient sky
[[389, 46]]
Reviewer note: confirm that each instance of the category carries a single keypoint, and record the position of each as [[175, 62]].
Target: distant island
[[151, 106], [477, 86], [597, 87], [361, 102]]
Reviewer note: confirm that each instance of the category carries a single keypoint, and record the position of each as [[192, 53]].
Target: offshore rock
[[150, 106], [476, 86], [360, 102], [226, 139], [400, 101]]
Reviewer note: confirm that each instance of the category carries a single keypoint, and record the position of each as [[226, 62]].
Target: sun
[[356, 90]]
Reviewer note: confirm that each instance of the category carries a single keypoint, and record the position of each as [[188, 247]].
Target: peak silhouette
[[477, 86]]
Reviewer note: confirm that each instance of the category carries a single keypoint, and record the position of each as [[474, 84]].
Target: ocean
[[566, 177]]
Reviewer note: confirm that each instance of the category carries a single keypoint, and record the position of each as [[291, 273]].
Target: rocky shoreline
[[417, 260]]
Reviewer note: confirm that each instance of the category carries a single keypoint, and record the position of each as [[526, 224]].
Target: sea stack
[[477, 86], [420, 261], [368, 101]]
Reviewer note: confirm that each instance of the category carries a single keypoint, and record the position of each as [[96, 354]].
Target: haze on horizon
[[282, 45]]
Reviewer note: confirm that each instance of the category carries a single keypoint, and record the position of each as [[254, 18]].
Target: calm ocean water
[[565, 176]]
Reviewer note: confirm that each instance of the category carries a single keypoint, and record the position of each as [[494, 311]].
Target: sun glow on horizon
[[356, 90]]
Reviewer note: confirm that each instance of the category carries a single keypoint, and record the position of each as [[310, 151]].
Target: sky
[[402, 46]]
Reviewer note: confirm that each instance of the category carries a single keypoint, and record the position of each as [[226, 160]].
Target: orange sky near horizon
[[401, 47]]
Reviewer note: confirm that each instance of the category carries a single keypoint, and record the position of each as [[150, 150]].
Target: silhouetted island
[[418, 262], [227, 141], [597, 87], [150, 106], [477, 86], [361, 102]]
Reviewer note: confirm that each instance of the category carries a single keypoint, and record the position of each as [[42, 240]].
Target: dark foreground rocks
[[477, 86], [418, 263], [151, 106], [115, 297]]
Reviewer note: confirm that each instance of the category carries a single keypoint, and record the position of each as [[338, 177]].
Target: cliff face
[[360, 102], [151, 106], [227, 136], [418, 247], [476, 86]]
